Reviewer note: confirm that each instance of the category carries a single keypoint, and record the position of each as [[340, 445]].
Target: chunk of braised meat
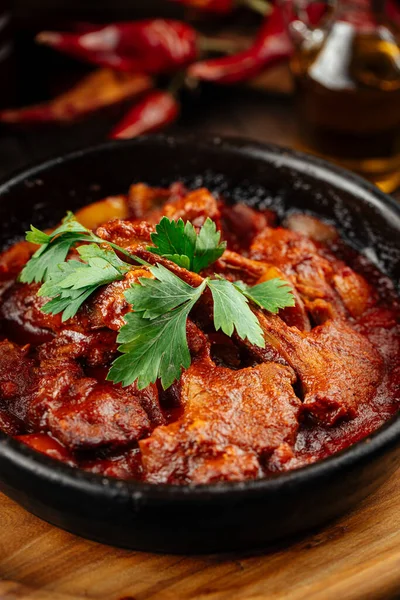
[[17, 379], [23, 319], [98, 415], [224, 351], [236, 267], [231, 421], [261, 355], [198, 342], [241, 223], [96, 349], [125, 465], [44, 443], [327, 286], [10, 424], [311, 227], [233, 464], [14, 258], [339, 369], [83, 413], [108, 306], [355, 293], [127, 234], [21, 314], [299, 259], [56, 377], [195, 207], [143, 199], [149, 401]]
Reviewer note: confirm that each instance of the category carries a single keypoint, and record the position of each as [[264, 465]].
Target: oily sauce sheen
[[327, 377]]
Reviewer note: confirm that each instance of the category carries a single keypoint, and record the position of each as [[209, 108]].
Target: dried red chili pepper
[[271, 46], [149, 46], [98, 90], [212, 6], [224, 7], [155, 111]]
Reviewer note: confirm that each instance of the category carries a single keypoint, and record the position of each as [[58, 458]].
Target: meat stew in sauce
[[327, 377]]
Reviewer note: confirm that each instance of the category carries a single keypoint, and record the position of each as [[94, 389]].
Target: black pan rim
[[379, 442], [282, 155]]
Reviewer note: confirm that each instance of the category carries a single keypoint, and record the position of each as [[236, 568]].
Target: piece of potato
[[93, 215]]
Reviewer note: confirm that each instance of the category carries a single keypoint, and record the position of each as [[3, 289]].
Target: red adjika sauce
[[328, 375]]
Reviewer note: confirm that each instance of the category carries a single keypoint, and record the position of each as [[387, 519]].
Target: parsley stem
[[141, 261]]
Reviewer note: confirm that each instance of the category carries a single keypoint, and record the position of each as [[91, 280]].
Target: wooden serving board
[[355, 558]]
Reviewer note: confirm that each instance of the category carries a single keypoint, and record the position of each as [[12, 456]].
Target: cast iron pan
[[226, 516]]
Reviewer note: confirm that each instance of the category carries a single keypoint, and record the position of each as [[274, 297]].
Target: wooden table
[[355, 558]]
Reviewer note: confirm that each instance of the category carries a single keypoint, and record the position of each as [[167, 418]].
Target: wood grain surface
[[355, 558]]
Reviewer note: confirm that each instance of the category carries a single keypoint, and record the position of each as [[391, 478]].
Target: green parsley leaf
[[181, 244], [69, 224], [174, 240], [46, 259], [232, 312], [153, 343], [37, 237], [156, 296], [179, 259], [91, 251], [54, 248], [209, 247], [271, 295], [68, 304], [74, 281]]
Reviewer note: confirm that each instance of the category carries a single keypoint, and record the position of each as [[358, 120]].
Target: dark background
[[99, 9], [262, 114]]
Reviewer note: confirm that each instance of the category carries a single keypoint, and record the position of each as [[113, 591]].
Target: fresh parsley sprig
[[54, 248], [153, 341], [180, 243], [73, 281]]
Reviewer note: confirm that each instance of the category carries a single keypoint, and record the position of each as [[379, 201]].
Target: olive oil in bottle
[[348, 91]]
